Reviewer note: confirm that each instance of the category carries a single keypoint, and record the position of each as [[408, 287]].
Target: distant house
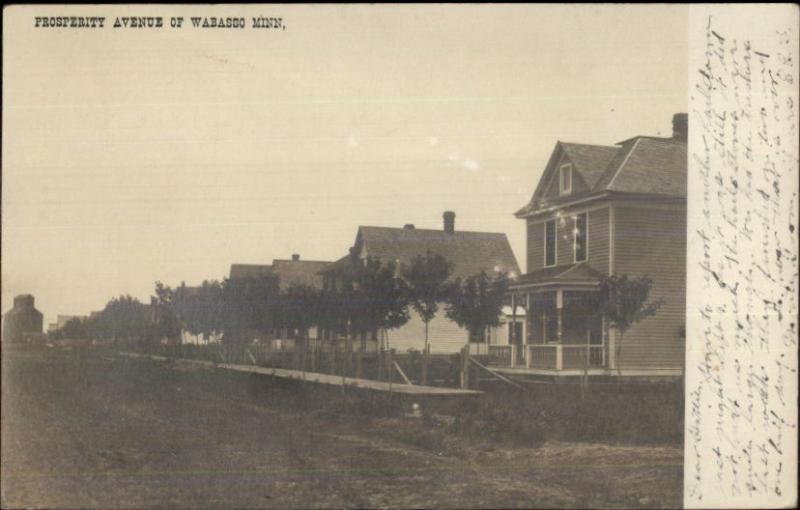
[[601, 210], [289, 272], [23, 323], [469, 252]]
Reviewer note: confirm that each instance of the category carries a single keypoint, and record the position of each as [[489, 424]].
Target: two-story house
[[601, 210], [470, 253]]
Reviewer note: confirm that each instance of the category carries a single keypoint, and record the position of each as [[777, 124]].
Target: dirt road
[[87, 430]]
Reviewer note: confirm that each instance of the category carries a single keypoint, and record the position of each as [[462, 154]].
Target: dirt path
[[83, 431]]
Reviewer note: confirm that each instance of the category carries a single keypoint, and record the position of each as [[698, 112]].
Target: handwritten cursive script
[[741, 372]]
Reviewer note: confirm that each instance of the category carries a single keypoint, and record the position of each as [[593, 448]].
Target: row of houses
[[597, 210]]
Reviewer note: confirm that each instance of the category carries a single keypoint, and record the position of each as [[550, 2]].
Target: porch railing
[[502, 355], [565, 357]]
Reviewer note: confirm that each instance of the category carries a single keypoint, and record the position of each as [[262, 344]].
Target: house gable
[[588, 164]]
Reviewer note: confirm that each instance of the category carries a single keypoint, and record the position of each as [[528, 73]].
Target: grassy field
[[87, 429]]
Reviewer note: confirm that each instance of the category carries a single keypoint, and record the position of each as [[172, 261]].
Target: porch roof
[[567, 275]]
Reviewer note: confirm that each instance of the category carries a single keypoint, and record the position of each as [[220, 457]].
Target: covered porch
[[563, 333]]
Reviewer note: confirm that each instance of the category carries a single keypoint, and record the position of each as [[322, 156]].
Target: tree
[[475, 303], [200, 310], [164, 322], [124, 317], [299, 309], [73, 329], [248, 304], [376, 298], [425, 279], [622, 300]]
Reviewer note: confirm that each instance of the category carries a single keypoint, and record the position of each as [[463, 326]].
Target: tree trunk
[[425, 356]]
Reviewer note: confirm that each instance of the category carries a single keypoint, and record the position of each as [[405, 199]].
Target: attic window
[[565, 178]]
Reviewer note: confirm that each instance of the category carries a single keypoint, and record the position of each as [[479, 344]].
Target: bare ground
[[90, 431]]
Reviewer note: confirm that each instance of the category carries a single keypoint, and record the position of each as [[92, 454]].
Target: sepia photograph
[[385, 256]]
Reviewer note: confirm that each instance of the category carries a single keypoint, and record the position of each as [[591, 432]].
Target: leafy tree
[[623, 300], [333, 311], [124, 317], [299, 309], [248, 304], [199, 309], [163, 321], [425, 279], [74, 328], [475, 303], [376, 298]]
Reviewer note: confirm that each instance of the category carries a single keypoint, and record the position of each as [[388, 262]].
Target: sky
[[132, 156]]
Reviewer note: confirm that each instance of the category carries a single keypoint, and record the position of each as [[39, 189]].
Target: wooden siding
[[598, 222], [535, 260], [598, 254], [652, 242], [553, 190], [444, 335]]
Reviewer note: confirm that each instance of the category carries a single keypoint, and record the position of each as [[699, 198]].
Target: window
[[565, 178], [550, 243], [580, 238]]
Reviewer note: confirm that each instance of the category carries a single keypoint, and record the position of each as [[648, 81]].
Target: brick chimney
[[295, 257], [449, 221], [680, 126]]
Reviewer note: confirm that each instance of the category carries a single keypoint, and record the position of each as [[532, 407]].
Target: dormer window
[[565, 179]]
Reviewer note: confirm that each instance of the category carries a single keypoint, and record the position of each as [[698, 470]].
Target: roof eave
[[522, 213]]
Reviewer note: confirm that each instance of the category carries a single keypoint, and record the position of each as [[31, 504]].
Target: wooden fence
[[346, 358]]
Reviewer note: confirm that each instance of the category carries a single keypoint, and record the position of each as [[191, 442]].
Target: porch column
[[512, 328], [559, 312], [559, 356], [528, 319]]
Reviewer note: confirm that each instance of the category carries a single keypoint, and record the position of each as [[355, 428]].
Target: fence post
[[513, 356], [359, 356]]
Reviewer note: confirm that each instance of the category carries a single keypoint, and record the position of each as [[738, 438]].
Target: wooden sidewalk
[[315, 377]]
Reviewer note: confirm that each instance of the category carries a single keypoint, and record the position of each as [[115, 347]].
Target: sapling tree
[[623, 301], [377, 297], [425, 280], [475, 303]]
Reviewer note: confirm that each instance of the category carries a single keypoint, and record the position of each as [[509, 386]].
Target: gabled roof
[[299, 272], [289, 272], [589, 160], [469, 252], [642, 165], [239, 271]]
